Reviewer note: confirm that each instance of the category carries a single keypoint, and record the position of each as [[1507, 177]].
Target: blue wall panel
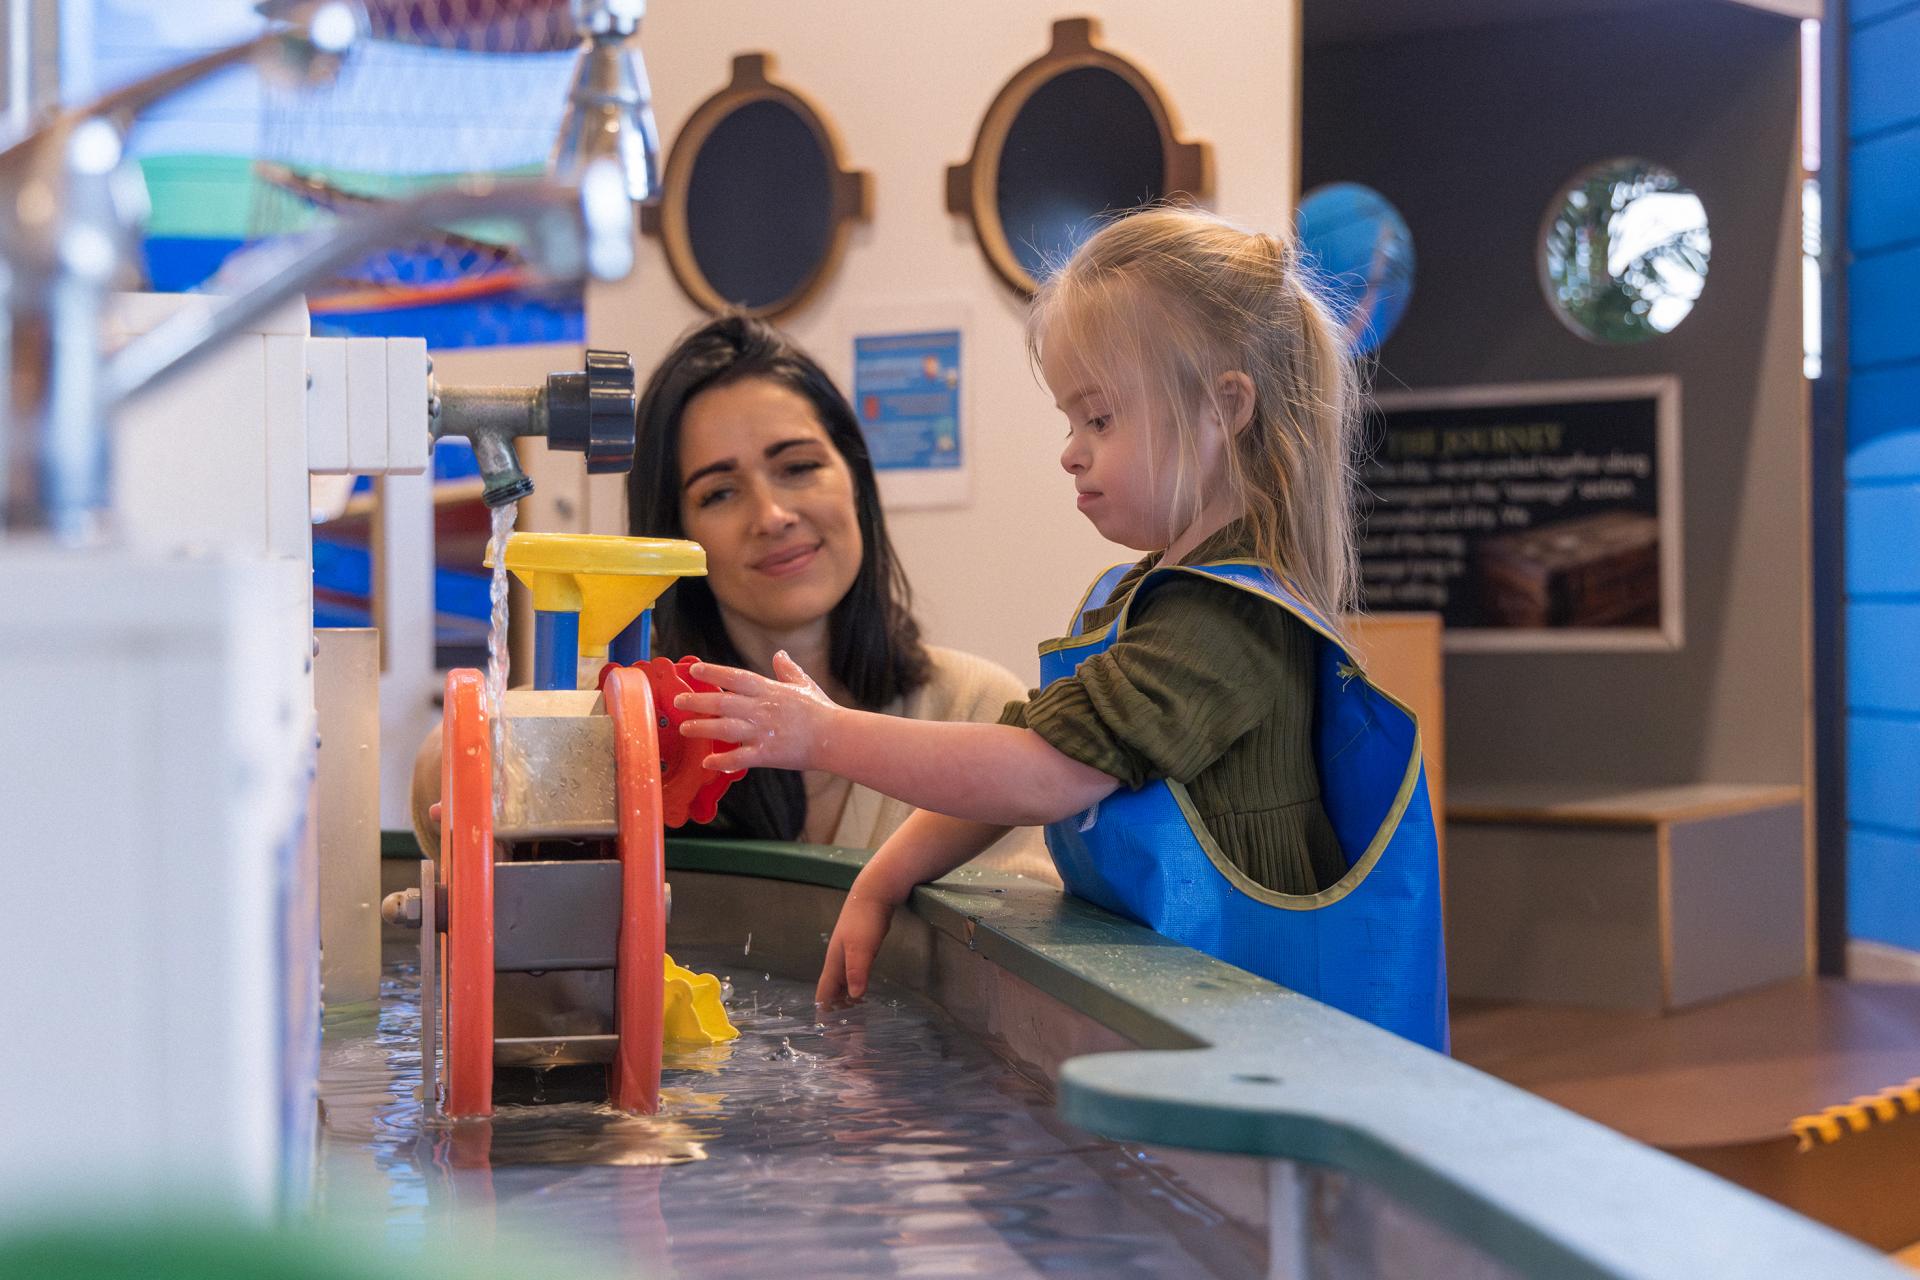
[[1883, 424], [1883, 58], [1864, 11], [1883, 191], [1883, 306], [1883, 882], [1883, 471], [1883, 659], [1883, 540], [1883, 786]]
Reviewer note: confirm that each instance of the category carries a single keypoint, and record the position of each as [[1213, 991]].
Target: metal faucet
[[590, 412], [71, 205]]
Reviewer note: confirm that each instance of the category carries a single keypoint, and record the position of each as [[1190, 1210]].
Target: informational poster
[[1530, 517], [909, 391]]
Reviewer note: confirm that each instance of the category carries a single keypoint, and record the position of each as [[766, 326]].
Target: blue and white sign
[[906, 389]]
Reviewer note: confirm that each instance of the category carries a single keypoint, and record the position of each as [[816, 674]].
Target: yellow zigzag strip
[[1857, 1116]]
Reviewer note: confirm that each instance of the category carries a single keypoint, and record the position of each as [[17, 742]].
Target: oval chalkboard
[[1075, 136], [1084, 145], [754, 204], [760, 205]]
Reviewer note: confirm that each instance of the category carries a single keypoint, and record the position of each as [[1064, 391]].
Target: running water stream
[[497, 655]]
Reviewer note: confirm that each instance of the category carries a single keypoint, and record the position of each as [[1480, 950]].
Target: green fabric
[[1209, 686]]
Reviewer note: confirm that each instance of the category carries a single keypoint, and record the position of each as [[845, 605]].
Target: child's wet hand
[[779, 723], [857, 936]]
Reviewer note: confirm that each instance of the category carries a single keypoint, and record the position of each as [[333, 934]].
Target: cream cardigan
[[961, 687]]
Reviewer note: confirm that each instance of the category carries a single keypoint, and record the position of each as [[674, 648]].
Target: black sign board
[[1527, 517]]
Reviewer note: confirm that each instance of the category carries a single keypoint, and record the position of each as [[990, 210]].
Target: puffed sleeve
[[1199, 664]]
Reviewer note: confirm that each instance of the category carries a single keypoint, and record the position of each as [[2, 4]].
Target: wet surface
[[883, 1141]]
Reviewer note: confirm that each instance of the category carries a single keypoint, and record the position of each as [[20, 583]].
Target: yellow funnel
[[608, 581], [694, 1014]]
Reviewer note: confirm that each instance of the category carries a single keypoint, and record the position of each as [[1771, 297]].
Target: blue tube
[[556, 650], [635, 644]]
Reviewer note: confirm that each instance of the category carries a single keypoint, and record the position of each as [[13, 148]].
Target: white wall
[[905, 86]]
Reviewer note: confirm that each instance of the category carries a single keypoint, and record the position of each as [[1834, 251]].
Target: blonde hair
[[1158, 306]]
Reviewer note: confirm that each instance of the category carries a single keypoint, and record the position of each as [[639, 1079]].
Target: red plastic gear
[[688, 789]]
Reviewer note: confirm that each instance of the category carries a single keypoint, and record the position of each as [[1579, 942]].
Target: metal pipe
[[490, 418], [596, 240], [71, 204]]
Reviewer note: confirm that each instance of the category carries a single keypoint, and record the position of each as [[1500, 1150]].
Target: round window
[[1361, 249], [1076, 136], [754, 207], [1623, 257]]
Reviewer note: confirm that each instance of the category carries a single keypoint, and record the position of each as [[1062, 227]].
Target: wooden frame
[[1663, 388], [973, 186], [849, 190]]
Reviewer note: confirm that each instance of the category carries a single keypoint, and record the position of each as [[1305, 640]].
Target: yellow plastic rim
[[607, 580]]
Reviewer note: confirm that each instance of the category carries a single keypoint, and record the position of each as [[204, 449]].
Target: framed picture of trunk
[[1543, 516]]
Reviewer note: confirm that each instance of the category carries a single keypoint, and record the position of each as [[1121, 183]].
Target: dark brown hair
[[873, 641]]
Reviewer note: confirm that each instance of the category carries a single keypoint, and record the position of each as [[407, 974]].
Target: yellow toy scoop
[[694, 1013]]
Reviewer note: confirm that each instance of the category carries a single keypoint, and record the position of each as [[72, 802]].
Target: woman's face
[[765, 492]]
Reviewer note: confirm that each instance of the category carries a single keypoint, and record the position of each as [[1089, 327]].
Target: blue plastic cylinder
[[556, 650], [635, 643]]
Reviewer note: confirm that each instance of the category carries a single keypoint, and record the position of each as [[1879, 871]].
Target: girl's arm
[[925, 847], [988, 773]]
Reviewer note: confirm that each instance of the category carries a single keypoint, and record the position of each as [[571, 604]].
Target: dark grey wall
[[1471, 133]]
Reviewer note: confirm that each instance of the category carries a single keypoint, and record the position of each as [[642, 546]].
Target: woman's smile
[[788, 561]]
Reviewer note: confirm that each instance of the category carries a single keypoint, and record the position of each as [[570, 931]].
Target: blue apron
[[1370, 944]]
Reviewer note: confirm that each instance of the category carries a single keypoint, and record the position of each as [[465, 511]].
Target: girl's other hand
[[857, 936], [779, 724]]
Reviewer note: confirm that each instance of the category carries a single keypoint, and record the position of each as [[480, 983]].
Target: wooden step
[[1720, 1085]]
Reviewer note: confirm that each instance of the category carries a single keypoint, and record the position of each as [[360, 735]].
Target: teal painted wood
[[1235, 1064]]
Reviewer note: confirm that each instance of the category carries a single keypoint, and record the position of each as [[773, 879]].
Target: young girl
[[1205, 756]]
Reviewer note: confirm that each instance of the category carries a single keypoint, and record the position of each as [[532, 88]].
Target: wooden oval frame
[[973, 187], [849, 190]]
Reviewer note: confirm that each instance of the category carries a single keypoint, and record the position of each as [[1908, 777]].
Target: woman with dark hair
[[746, 447]]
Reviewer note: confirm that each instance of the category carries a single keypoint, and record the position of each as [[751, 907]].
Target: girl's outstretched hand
[[857, 936], [779, 724]]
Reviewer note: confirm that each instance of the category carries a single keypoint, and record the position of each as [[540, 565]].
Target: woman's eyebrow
[[725, 464], [728, 464]]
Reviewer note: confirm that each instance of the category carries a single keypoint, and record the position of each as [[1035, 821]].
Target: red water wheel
[[640, 973], [689, 791], [466, 868]]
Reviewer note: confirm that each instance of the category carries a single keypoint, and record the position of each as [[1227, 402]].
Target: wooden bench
[[1648, 899]]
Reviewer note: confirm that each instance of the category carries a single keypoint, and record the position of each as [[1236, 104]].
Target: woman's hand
[[781, 723], [857, 936]]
